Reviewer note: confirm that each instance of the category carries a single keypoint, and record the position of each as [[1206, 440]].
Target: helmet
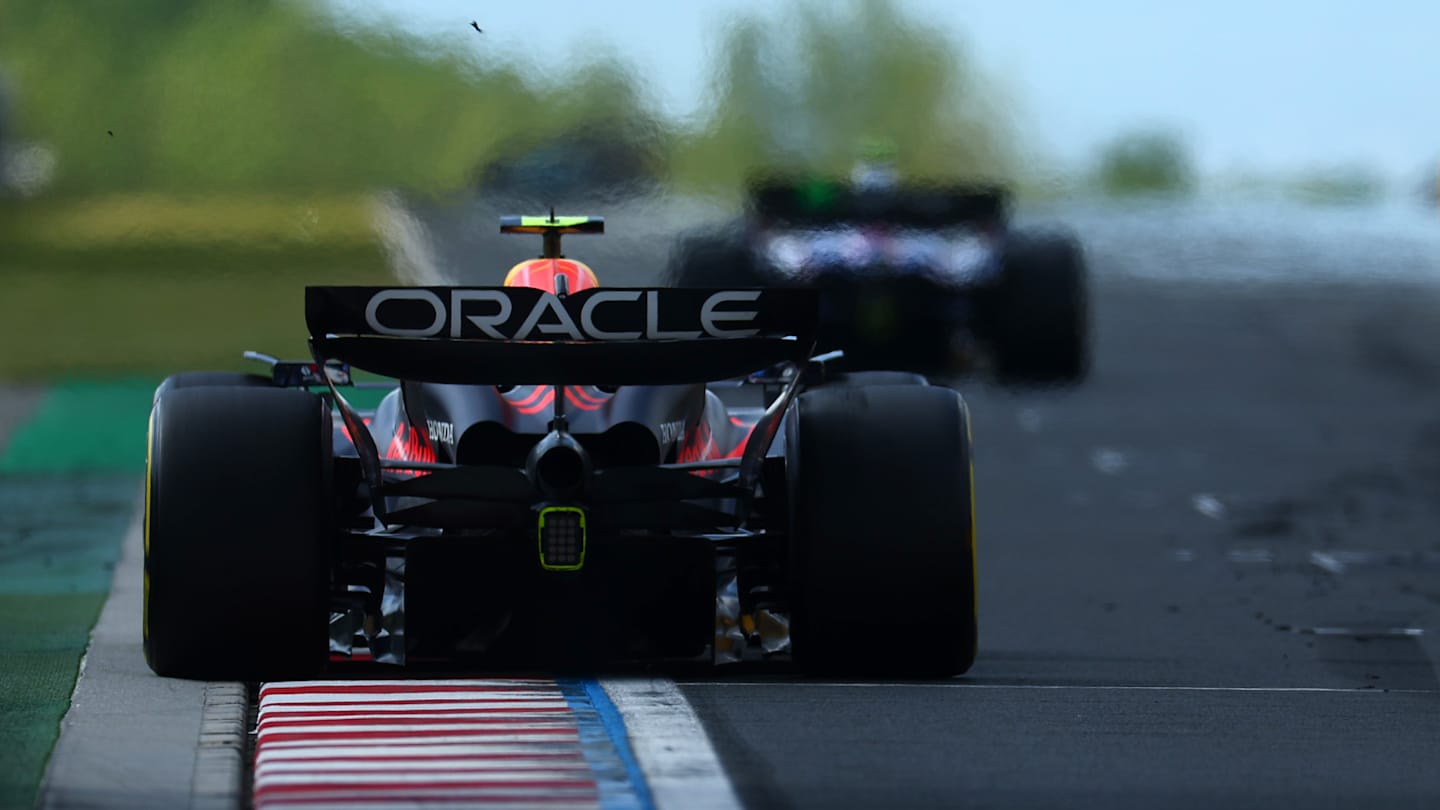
[[545, 274]]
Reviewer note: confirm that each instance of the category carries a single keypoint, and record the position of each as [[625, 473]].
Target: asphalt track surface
[[1157, 629], [1210, 577]]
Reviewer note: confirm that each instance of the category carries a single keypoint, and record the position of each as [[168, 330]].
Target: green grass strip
[[69, 486], [84, 427], [60, 537]]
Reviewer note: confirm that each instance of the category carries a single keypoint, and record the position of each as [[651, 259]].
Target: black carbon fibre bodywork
[[497, 425], [444, 486], [463, 565]]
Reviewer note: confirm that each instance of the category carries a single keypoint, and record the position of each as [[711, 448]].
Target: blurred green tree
[[1146, 162], [1337, 185], [268, 95], [808, 91]]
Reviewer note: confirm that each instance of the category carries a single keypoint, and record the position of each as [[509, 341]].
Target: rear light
[[562, 538]]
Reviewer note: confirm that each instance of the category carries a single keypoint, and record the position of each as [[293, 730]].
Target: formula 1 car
[[557, 480], [925, 278]]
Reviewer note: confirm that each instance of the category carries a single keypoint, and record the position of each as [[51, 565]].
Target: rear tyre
[[862, 378], [882, 565], [1041, 320], [237, 518], [212, 379]]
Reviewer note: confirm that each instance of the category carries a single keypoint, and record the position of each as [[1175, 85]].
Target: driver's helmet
[[542, 274]]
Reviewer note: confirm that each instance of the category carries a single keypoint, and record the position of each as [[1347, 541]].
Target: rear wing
[[517, 224], [523, 336], [807, 203]]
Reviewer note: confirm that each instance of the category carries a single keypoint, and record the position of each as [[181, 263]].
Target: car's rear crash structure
[[553, 482]]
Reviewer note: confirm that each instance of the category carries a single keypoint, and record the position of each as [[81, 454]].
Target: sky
[[1253, 85]]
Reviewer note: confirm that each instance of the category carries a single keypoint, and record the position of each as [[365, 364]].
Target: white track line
[[670, 745], [1079, 687]]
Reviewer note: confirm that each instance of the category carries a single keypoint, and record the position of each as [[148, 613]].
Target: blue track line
[[606, 745]]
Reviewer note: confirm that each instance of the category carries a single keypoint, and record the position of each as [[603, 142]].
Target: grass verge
[[61, 538], [96, 288]]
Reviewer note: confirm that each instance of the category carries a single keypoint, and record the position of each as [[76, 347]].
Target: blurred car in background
[[926, 278]]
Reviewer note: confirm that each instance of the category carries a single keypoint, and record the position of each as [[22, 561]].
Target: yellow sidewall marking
[[149, 485], [970, 451]]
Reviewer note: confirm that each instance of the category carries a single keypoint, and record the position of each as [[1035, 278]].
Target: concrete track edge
[[132, 739], [674, 752]]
